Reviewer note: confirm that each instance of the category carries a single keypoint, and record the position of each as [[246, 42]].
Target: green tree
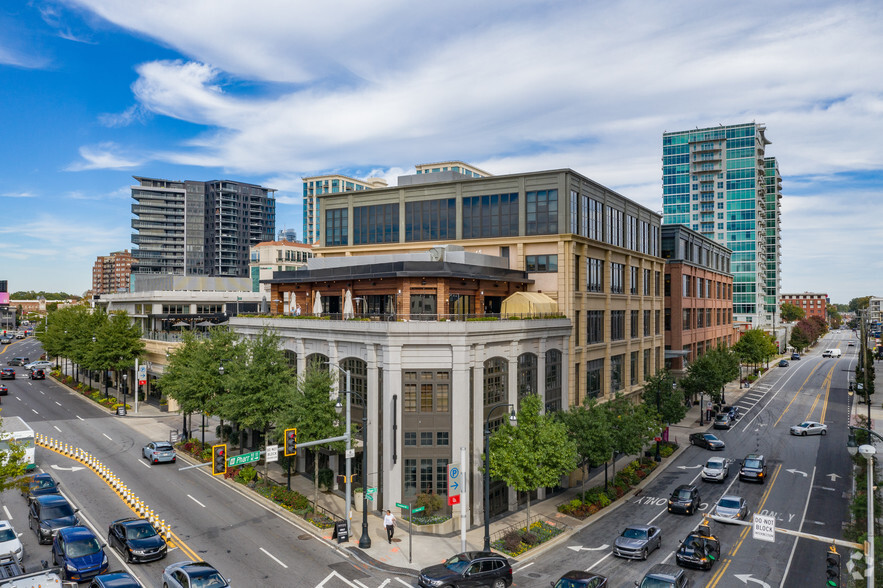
[[663, 398], [857, 304], [834, 317], [798, 339], [588, 426], [790, 312], [535, 453], [632, 426], [12, 464], [117, 343], [755, 347]]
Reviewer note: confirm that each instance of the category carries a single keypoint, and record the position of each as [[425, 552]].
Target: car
[[795, 356], [4, 391], [685, 499], [39, 485], [137, 540], [37, 375], [717, 469], [733, 411], [18, 361], [731, 507], [706, 440], [159, 451], [471, 568], [115, 580], [5, 340], [664, 576], [784, 363], [580, 579], [699, 550], [723, 421], [637, 541], [191, 574], [79, 553], [48, 514], [850, 344], [809, 428], [10, 545], [7, 373], [40, 364], [19, 335], [753, 468]]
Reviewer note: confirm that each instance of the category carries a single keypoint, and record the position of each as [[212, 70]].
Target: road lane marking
[[403, 582], [56, 428], [81, 418], [106, 435], [796, 394], [8, 514], [58, 403], [827, 392], [35, 412], [270, 555], [800, 528], [360, 584], [196, 501], [144, 464]]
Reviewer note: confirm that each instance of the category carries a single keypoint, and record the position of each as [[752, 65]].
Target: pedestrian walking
[[389, 521]]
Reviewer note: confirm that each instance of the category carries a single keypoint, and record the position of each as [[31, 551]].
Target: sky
[[93, 92]]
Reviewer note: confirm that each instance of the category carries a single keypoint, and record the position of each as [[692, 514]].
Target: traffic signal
[[832, 567], [219, 459], [290, 442]]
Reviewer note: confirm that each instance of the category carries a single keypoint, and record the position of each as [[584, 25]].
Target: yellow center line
[[827, 387], [796, 394]]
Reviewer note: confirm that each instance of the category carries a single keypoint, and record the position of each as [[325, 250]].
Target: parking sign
[[454, 480]]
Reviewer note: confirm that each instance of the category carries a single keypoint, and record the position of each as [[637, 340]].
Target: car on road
[[698, 550], [4, 391], [723, 421], [159, 452], [733, 411], [580, 579], [753, 468], [48, 514], [809, 428], [851, 344], [717, 469], [637, 541], [18, 361], [685, 499], [10, 545], [731, 507], [795, 356], [39, 485], [784, 363], [5, 340], [136, 539], [37, 375], [7, 373], [706, 440], [40, 364], [79, 553], [193, 574], [19, 335], [664, 576], [471, 568], [115, 580]]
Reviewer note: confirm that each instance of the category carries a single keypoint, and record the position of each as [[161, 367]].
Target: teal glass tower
[[718, 181]]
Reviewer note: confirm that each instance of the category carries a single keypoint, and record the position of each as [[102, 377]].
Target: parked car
[[159, 451], [698, 551], [664, 576], [731, 507], [37, 375], [115, 580], [580, 579], [39, 485], [79, 553], [637, 541], [4, 391], [795, 356], [733, 411], [136, 539], [187, 574], [684, 499], [753, 468], [472, 568], [717, 469], [48, 514], [7, 373], [809, 428], [784, 363], [706, 440], [18, 361], [10, 545], [723, 421]]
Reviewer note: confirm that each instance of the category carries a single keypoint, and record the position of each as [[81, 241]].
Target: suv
[[664, 576], [50, 513], [18, 361], [753, 468], [37, 375], [684, 499], [472, 568]]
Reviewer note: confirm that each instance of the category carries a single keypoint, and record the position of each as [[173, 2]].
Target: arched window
[[317, 360], [358, 370], [291, 358]]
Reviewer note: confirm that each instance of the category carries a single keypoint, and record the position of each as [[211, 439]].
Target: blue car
[[115, 580], [39, 485], [159, 452], [79, 553]]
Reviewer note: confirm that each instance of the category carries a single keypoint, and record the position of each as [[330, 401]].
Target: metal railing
[[496, 535]]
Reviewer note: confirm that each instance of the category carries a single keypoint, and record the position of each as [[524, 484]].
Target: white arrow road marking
[[579, 548], [833, 477], [196, 501], [747, 578], [63, 469], [6, 510], [274, 558], [689, 467], [797, 472], [81, 418]]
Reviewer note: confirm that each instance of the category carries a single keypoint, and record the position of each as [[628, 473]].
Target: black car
[[50, 513], [37, 375], [664, 576], [795, 356], [472, 568], [136, 539], [7, 373], [115, 580], [753, 468], [684, 499], [699, 550], [39, 485], [580, 579], [18, 361], [706, 440]]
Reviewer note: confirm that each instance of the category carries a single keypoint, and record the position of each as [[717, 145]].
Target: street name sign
[[419, 509], [405, 506], [242, 459], [764, 528]]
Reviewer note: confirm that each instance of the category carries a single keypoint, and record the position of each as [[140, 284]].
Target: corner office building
[[715, 181], [594, 252], [197, 228]]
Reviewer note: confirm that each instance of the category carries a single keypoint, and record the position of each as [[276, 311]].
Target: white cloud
[[18, 195], [133, 114], [102, 156]]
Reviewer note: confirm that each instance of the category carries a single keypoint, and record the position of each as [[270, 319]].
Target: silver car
[[809, 428], [730, 507], [159, 452], [717, 469], [637, 541], [192, 574]]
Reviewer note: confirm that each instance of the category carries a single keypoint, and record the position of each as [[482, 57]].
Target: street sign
[[371, 492], [350, 453], [418, 509], [454, 480], [405, 506], [244, 458], [764, 528], [272, 453], [142, 374]]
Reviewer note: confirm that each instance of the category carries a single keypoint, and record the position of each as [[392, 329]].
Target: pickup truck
[[13, 576]]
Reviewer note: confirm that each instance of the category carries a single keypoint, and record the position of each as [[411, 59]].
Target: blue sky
[[268, 91]]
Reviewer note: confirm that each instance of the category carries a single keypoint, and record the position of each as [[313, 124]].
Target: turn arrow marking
[[797, 472], [833, 477], [579, 548], [70, 469], [747, 578], [689, 467]]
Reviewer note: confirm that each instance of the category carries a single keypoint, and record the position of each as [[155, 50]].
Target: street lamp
[[125, 386], [487, 469], [365, 539], [90, 367], [659, 413], [868, 451]]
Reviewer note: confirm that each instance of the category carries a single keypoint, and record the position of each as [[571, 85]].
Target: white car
[[717, 469], [41, 364], [9, 542], [809, 428]]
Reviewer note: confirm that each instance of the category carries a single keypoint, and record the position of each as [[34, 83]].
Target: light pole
[[125, 386], [90, 367], [868, 451], [365, 539], [659, 413], [487, 469]]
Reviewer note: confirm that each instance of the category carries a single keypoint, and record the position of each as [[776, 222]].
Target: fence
[[520, 525]]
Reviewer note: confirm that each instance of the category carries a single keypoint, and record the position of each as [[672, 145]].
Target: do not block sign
[[764, 528]]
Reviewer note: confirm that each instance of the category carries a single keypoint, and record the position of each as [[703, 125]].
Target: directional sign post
[[453, 484], [410, 543], [238, 460]]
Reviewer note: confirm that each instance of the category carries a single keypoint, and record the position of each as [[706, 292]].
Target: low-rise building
[[812, 303], [276, 256]]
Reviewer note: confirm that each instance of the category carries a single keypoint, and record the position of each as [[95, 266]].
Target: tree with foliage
[[117, 344], [632, 426], [664, 398], [857, 304], [799, 340], [589, 428], [13, 464], [755, 347], [709, 374], [31, 295], [834, 318], [860, 374], [535, 453], [791, 312]]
